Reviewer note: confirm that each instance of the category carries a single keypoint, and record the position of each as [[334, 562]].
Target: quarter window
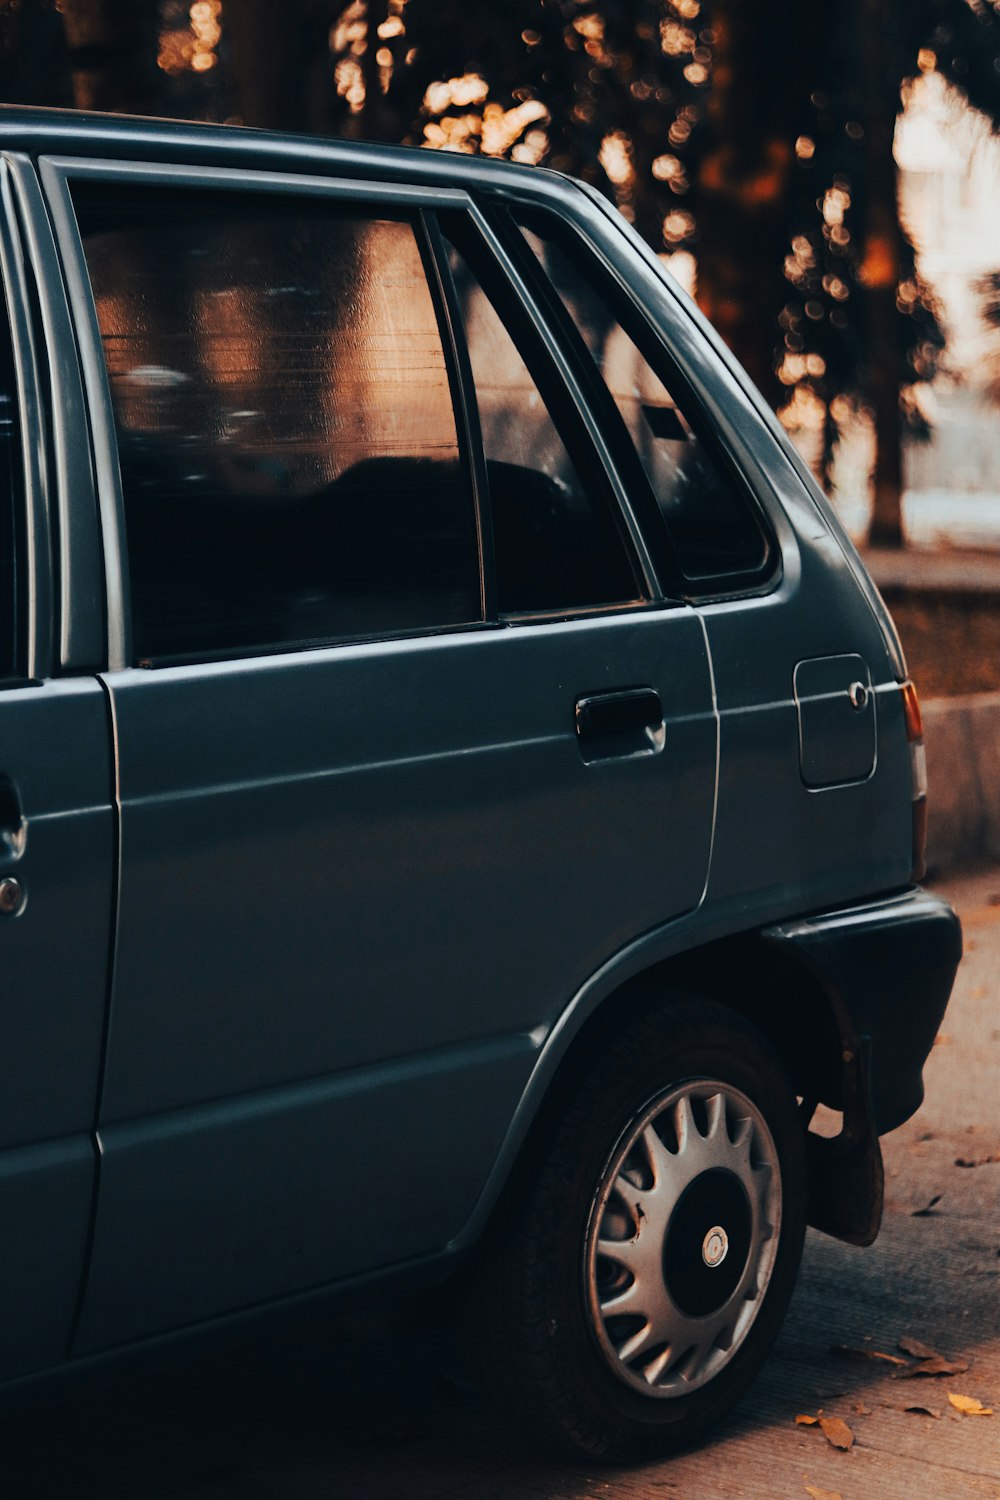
[[712, 528], [288, 446]]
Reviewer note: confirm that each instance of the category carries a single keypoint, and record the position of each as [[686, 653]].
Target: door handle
[[620, 724]]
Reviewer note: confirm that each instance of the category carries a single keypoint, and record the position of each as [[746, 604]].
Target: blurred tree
[[34, 66], [112, 54], [858, 327]]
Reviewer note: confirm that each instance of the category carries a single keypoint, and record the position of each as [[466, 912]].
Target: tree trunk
[[112, 54], [879, 272], [278, 63], [765, 58]]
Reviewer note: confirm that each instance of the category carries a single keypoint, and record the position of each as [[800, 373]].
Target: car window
[[288, 446], [558, 543], [712, 527]]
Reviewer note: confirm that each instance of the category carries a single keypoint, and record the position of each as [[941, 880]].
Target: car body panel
[[321, 927]]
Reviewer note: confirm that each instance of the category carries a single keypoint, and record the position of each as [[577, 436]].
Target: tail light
[[918, 771]]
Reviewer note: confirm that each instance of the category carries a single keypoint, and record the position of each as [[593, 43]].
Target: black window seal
[[514, 306], [470, 440], [702, 588]]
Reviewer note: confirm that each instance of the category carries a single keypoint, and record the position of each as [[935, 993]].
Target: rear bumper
[[888, 967]]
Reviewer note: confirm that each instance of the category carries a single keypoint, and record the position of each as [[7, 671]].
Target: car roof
[[61, 132]]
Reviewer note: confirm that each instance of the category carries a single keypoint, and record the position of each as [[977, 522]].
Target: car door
[[392, 789], [56, 821]]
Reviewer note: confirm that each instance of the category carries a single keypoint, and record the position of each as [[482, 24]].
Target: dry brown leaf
[[916, 1347], [969, 1406], [847, 1351], [837, 1433], [924, 1411], [818, 1494], [936, 1365], [804, 1420]]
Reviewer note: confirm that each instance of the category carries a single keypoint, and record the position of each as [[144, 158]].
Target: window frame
[[58, 174], [558, 387], [61, 589], [637, 326]]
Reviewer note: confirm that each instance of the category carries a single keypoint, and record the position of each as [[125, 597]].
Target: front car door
[[56, 812], [409, 743]]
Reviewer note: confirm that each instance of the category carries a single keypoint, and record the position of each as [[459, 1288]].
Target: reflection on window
[[556, 544], [286, 434], [711, 529]]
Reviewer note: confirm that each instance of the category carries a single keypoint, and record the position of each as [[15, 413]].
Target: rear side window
[[709, 520], [557, 534], [286, 431]]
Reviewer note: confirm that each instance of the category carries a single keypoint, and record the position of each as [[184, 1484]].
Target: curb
[[962, 736]]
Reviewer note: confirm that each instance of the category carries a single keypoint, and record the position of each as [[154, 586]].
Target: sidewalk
[[933, 570]]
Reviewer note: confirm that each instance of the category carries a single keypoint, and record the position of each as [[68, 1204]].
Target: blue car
[[461, 795]]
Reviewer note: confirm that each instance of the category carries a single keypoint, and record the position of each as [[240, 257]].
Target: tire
[[648, 1249]]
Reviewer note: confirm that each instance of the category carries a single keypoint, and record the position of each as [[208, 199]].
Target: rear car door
[[409, 744]]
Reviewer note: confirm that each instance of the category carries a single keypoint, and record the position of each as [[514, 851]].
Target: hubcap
[[682, 1237]]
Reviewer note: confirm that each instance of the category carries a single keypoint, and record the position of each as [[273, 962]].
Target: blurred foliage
[[757, 134]]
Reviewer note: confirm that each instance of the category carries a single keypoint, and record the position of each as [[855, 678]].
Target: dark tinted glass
[[556, 542], [287, 440], [712, 527]]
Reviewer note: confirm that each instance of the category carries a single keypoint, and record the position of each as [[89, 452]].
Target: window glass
[[557, 545], [287, 440], [712, 529]]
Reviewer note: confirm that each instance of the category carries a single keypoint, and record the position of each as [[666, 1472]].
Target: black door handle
[[620, 724]]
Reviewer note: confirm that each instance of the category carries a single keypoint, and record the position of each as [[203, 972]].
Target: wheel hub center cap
[[715, 1246]]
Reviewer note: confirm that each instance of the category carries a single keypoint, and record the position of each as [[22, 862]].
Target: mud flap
[[846, 1176]]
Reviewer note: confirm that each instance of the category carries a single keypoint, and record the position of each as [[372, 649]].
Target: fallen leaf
[[924, 1411], [916, 1347], [804, 1420], [936, 1365], [978, 1161], [837, 1433], [929, 1210], [818, 1494], [847, 1351], [970, 1406]]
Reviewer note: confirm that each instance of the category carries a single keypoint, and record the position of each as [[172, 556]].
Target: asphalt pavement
[[368, 1410]]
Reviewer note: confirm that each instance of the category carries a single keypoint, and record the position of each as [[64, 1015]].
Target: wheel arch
[[767, 983]]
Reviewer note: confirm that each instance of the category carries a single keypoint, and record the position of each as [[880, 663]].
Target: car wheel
[[647, 1251]]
